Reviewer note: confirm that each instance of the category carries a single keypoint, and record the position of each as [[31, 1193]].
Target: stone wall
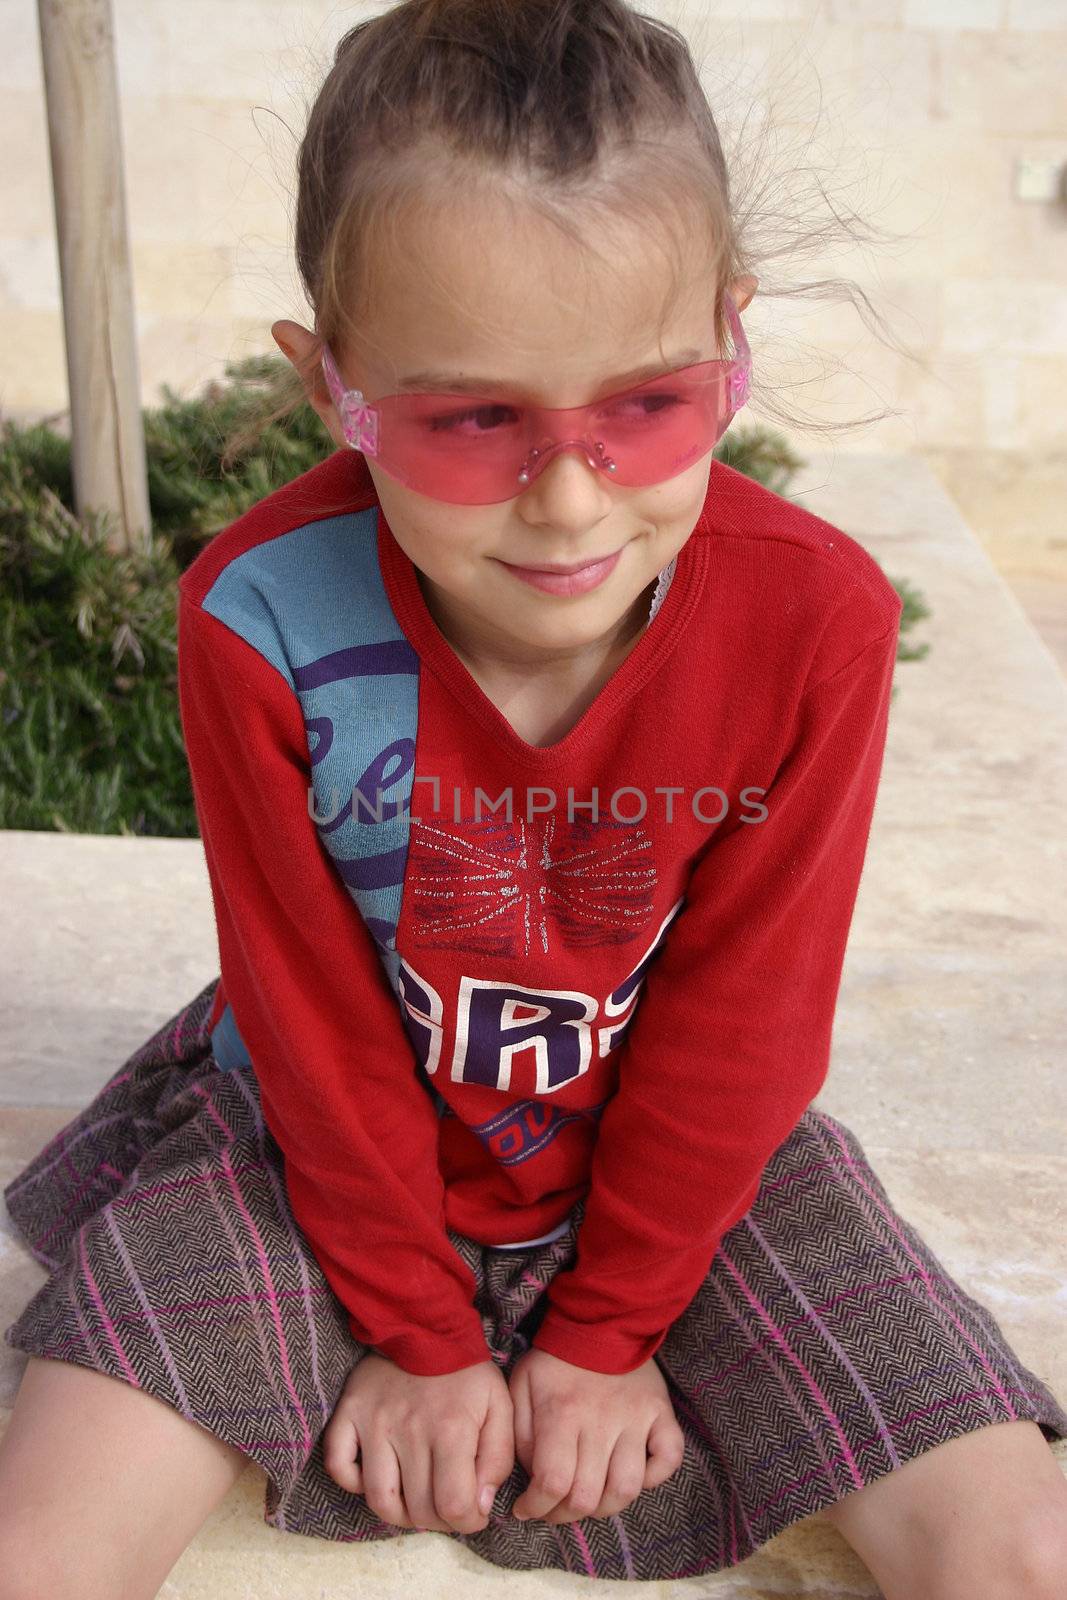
[[921, 110]]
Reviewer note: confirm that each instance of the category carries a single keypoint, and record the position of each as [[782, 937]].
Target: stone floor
[[1016, 505], [948, 1053]]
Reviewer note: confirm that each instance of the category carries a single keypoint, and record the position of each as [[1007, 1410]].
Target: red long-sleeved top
[[635, 1007]]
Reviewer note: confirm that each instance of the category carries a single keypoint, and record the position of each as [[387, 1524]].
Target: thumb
[[496, 1448], [666, 1448]]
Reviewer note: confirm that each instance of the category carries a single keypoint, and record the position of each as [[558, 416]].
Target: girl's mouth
[[567, 582]]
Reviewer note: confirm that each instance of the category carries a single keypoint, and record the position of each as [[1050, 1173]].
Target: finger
[[555, 1458], [495, 1460], [522, 1422], [626, 1473], [417, 1473], [666, 1450], [590, 1472], [381, 1474], [340, 1447], [455, 1491]]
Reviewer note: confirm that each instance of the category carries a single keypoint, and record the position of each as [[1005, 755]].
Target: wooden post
[[85, 140]]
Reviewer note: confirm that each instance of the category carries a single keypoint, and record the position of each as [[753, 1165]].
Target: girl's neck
[[543, 698], [488, 654]]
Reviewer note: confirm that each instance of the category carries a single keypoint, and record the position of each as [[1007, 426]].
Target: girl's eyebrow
[[455, 383]]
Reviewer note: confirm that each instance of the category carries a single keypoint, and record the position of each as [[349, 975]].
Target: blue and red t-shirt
[[479, 979]]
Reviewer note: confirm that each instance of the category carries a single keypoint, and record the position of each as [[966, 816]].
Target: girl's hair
[[586, 112]]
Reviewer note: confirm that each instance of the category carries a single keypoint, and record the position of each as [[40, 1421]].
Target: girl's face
[[522, 309]]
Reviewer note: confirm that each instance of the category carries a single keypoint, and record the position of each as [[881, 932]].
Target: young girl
[[535, 753]]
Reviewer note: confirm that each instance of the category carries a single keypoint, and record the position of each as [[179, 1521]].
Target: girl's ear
[[300, 346], [742, 289]]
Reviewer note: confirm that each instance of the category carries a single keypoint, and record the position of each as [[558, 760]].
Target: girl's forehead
[[471, 271], [540, 360], [515, 323]]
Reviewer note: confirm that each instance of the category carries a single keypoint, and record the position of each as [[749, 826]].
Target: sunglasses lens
[[470, 450]]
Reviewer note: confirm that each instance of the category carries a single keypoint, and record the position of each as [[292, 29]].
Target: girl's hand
[[429, 1445], [582, 1436]]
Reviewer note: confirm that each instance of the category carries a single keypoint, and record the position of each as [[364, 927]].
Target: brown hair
[[575, 108]]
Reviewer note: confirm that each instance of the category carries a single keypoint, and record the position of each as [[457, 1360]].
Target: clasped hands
[[590, 1442]]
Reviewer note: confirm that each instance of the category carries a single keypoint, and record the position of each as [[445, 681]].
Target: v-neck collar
[[658, 639]]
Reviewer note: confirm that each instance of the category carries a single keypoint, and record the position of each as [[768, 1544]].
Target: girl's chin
[[568, 627]]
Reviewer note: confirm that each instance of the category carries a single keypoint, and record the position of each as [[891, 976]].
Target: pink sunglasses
[[479, 450]]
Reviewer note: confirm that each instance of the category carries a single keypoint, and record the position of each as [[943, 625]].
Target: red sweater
[[634, 1007]]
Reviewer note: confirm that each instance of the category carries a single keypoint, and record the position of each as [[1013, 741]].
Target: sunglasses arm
[[359, 419]]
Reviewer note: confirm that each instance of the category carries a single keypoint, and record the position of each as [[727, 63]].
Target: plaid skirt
[[826, 1347]]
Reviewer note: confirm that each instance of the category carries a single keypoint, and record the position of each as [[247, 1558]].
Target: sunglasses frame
[[360, 418]]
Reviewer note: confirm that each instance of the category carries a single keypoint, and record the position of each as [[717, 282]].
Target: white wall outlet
[[1040, 178]]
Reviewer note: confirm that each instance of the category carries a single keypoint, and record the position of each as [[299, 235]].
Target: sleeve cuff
[[426, 1355], [598, 1349]]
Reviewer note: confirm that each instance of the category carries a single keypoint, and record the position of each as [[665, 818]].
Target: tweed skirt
[[826, 1347]]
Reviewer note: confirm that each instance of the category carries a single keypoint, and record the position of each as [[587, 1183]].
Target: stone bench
[[947, 1057]]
